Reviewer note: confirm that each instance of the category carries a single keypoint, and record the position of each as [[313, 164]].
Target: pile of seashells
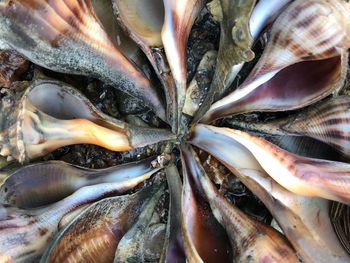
[[294, 156]]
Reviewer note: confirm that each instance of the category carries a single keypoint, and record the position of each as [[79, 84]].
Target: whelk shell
[[44, 183], [24, 233], [309, 36], [143, 21], [300, 175], [198, 223], [51, 114], [179, 18], [235, 33], [250, 240], [326, 121], [173, 250], [304, 220], [67, 37], [161, 28], [131, 246], [97, 233]]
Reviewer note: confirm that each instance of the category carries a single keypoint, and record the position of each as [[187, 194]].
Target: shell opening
[[291, 88], [145, 18]]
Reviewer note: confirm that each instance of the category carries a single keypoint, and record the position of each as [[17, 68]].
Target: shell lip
[[258, 97]]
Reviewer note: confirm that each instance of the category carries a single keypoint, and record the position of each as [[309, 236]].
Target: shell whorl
[[306, 30], [328, 122]]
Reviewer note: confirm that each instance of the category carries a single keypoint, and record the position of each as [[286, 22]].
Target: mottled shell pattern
[[53, 211]]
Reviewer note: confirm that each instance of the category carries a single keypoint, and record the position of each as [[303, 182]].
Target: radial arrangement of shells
[[267, 107]]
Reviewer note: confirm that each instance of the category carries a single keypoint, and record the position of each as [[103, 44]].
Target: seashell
[[233, 52], [306, 146], [304, 220], [104, 12], [300, 145], [67, 37], [179, 17], [24, 234], [251, 241], [161, 29], [70, 216], [51, 114], [44, 183], [173, 250], [131, 246], [264, 13], [327, 122], [300, 175], [309, 36], [198, 224], [143, 21], [96, 233], [340, 216]]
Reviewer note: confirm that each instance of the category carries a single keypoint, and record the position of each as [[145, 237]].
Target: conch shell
[[67, 37], [327, 121], [179, 18], [41, 184], [304, 220], [161, 29], [51, 114], [24, 234], [100, 230], [143, 20], [309, 36], [298, 174], [250, 240]]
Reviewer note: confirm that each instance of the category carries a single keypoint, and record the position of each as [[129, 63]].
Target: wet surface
[[204, 37]]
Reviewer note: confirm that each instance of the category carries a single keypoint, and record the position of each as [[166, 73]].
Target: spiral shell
[[67, 37], [51, 114], [309, 36]]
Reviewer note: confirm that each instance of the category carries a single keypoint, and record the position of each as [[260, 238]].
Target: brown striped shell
[[298, 174], [100, 230], [304, 61], [25, 234], [250, 241], [340, 217], [328, 122], [304, 220]]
